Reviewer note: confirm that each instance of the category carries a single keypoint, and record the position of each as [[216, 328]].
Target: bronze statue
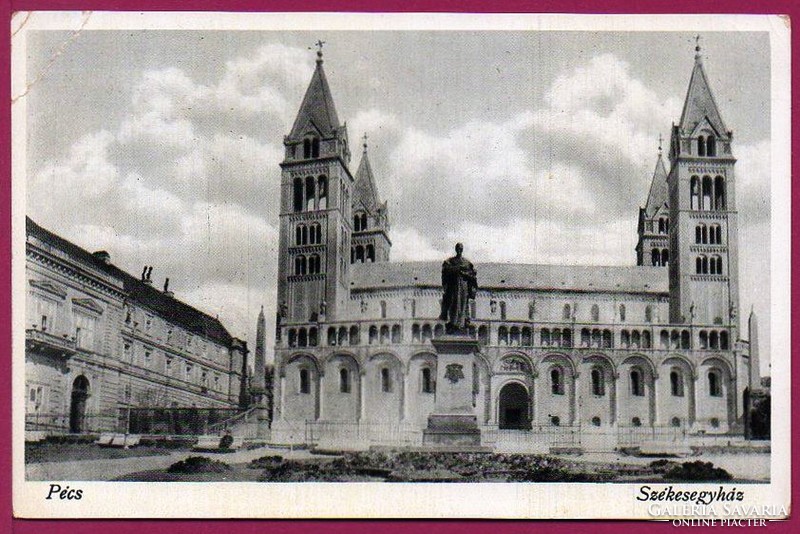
[[460, 284]]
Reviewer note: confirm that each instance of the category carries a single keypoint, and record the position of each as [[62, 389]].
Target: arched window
[[355, 337], [656, 257], [595, 421], [676, 422], [310, 196], [711, 146], [701, 264], [723, 340], [694, 192], [427, 333], [707, 193], [637, 383], [555, 420], [714, 234], [664, 336], [415, 333], [383, 309], [595, 313], [647, 342], [567, 313], [567, 337], [298, 194], [713, 340], [331, 336], [305, 383], [714, 383], [300, 265], [662, 228], [544, 335], [608, 339], [370, 253], [718, 234], [344, 380], [298, 235], [315, 148], [502, 310], [316, 232], [648, 314], [306, 148], [502, 336], [322, 192], [359, 254], [363, 221], [397, 334], [373, 335], [703, 337], [427, 381], [302, 338], [625, 339], [598, 382], [686, 339], [526, 336], [557, 381], [386, 380], [636, 339], [636, 422], [701, 146], [676, 383], [622, 312], [664, 257], [314, 264]]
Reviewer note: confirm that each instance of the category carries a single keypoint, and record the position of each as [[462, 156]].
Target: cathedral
[[564, 352]]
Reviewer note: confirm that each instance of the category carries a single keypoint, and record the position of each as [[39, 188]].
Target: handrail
[[222, 425]]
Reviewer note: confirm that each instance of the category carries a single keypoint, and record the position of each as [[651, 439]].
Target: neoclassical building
[[101, 343], [563, 349]]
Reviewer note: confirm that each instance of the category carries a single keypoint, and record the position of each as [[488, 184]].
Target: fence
[[359, 435], [174, 421], [59, 423]]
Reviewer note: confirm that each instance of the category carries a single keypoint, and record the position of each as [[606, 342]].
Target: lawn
[[70, 452], [427, 467]]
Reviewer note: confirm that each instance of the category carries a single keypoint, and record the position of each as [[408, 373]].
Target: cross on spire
[[659, 144], [365, 141], [319, 44], [697, 46]]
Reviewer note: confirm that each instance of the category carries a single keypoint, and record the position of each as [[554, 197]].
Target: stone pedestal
[[453, 421]]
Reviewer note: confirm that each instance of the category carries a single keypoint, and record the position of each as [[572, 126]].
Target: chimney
[[103, 256], [144, 273], [167, 292]]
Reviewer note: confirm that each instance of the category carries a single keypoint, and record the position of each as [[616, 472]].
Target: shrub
[[198, 464], [265, 462], [697, 471]]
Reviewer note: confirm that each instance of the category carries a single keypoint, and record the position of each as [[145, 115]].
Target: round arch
[[509, 357], [514, 406], [559, 358]]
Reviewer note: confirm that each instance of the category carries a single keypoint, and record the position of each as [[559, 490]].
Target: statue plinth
[[453, 421]]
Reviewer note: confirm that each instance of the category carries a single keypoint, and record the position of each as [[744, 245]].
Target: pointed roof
[[700, 103], [366, 191], [317, 110], [658, 188]]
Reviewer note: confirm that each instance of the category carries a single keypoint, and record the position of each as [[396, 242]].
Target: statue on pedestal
[[460, 284]]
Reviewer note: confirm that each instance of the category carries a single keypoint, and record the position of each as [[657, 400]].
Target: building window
[[711, 146], [148, 357], [701, 146], [595, 313], [567, 312], [714, 383], [344, 381], [386, 380], [427, 381], [383, 309], [636, 421], [126, 352], [598, 383], [502, 310], [168, 366], [85, 326], [714, 422], [305, 383], [622, 312], [676, 422], [707, 194], [298, 194], [557, 381], [188, 372], [322, 192], [676, 383], [694, 191], [555, 420], [595, 421], [637, 383], [648, 314]]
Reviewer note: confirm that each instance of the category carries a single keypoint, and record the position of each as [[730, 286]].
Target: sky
[[162, 147]]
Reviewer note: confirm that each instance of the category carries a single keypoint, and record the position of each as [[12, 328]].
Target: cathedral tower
[[703, 271], [315, 212], [653, 245], [370, 217]]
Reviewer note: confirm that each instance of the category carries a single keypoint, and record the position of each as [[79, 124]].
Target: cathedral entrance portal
[[514, 407], [77, 409]]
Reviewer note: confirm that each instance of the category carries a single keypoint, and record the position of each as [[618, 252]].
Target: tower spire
[[365, 142], [697, 56]]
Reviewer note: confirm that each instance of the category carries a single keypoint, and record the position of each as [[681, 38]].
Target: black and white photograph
[[391, 251]]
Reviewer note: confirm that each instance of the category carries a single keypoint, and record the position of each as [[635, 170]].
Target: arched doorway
[[77, 409], [514, 407]]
